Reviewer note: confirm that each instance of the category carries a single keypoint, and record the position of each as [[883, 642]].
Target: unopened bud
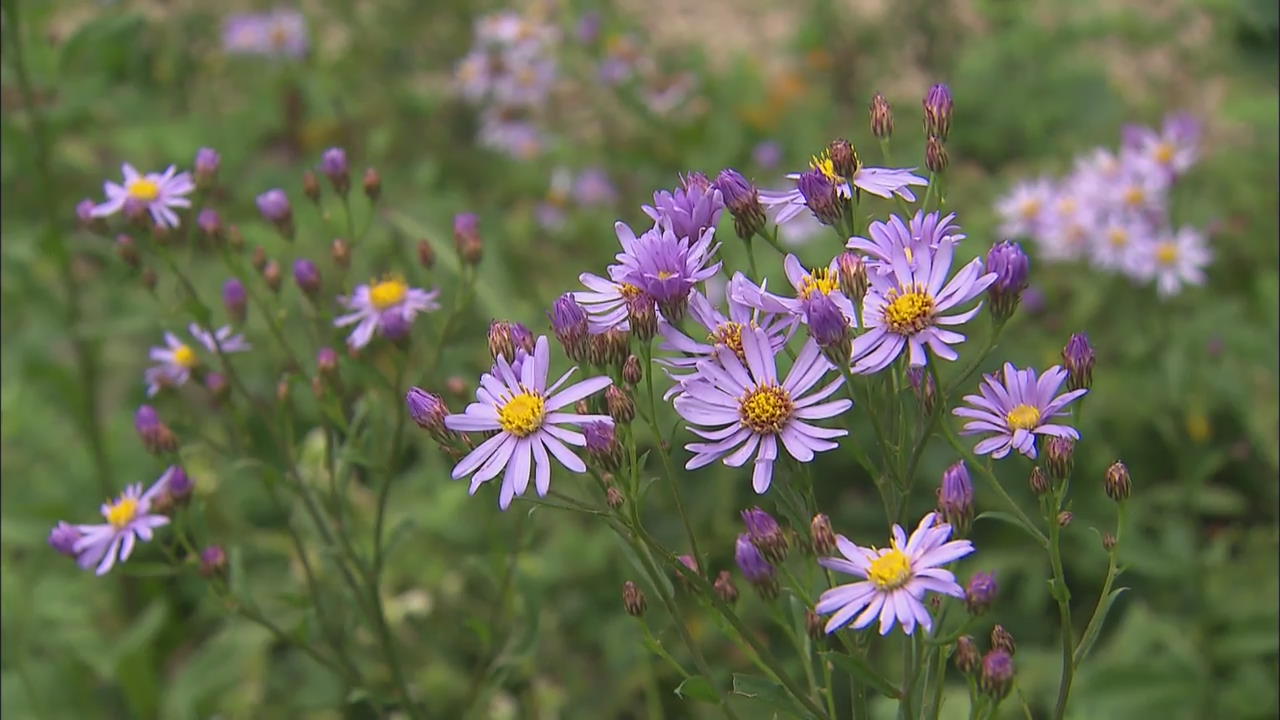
[[852, 272], [955, 497], [938, 107], [1039, 481], [235, 238], [633, 599], [206, 167], [1011, 266], [821, 537], [980, 592], [213, 561], [766, 534], [1058, 457], [621, 406], [466, 236], [758, 571], [259, 259], [271, 274], [307, 276], [1001, 639], [1118, 484], [814, 624], [924, 388], [821, 197], [210, 223], [340, 251], [642, 316], [631, 372], [1064, 518], [935, 155], [426, 255], [1108, 541], [275, 208], [724, 588], [613, 496], [127, 249], [881, 117], [1078, 359], [997, 673], [602, 446], [327, 361], [218, 386], [149, 278], [967, 657], [333, 163], [372, 184], [311, 186], [844, 158], [829, 328], [156, 436], [743, 200]]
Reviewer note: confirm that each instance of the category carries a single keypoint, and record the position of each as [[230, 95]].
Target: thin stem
[[1064, 608], [994, 482], [1113, 571], [647, 350]]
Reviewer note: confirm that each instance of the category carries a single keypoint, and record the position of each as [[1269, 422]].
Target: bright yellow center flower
[[122, 512], [766, 409], [891, 570], [824, 164], [388, 293], [628, 290], [144, 189], [821, 280], [910, 312], [1166, 253], [729, 335], [523, 414], [1023, 417], [185, 356]]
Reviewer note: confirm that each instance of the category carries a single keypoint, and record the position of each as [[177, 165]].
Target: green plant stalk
[[994, 482], [646, 350], [1113, 571], [1063, 596]]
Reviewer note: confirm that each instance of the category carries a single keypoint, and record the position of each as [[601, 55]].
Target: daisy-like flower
[[155, 193], [664, 266], [688, 210], [807, 284], [883, 182], [280, 32], [389, 302], [1067, 226], [605, 299], [722, 331], [1139, 189], [527, 415], [129, 519], [1018, 409], [1173, 260], [752, 412], [896, 578], [1118, 240], [1022, 210], [904, 308], [177, 360], [920, 235], [1173, 150]]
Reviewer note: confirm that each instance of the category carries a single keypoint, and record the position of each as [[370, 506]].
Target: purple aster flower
[[379, 303], [687, 211], [177, 359], [743, 200], [1022, 211], [896, 578], [766, 534], [207, 163], [1078, 358], [807, 285], [593, 187], [1173, 260], [955, 496], [656, 264], [606, 301], [821, 197], [306, 275], [1018, 409], [514, 136], [569, 322], [1173, 150], [63, 538], [529, 418], [333, 163], [904, 309], [428, 410], [980, 592], [1010, 265], [1118, 243], [751, 412], [156, 193], [882, 182], [938, 106], [235, 299], [919, 236], [129, 519], [274, 206], [754, 566], [156, 435], [280, 32]]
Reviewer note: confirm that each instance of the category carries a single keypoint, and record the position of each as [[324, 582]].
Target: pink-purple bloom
[[176, 361], [750, 413], [1017, 408], [529, 418], [129, 519], [281, 32], [919, 235], [688, 211], [896, 578], [807, 285], [1173, 260], [387, 306], [154, 193], [883, 182]]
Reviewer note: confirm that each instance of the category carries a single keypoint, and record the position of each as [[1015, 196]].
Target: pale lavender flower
[[1118, 241], [883, 182], [129, 519], [281, 32], [1067, 226], [177, 359], [528, 417], [687, 211], [388, 304], [1017, 409], [918, 236], [63, 538], [1022, 210], [512, 135], [767, 154], [593, 187], [274, 206], [605, 300], [751, 412], [806, 283], [904, 309], [896, 578], [1173, 260], [664, 265], [1174, 149], [156, 193]]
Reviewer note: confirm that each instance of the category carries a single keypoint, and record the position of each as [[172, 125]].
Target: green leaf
[[857, 666], [1091, 633], [769, 693], [697, 687]]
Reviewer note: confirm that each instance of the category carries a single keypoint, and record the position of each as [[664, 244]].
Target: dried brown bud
[[935, 155], [633, 599], [1039, 481], [426, 255], [1118, 484], [271, 274], [821, 537], [631, 372], [235, 238], [814, 624], [967, 656], [725, 589], [622, 408], [311, 186], [1064, 518], [844, 158], [613, 496], [881, 117], [127, 249], [372, 184], [259, 258], [1002, 640], [1108, 541], [340, 250]]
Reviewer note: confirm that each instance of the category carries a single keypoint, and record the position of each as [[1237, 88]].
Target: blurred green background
[[1185, 390]]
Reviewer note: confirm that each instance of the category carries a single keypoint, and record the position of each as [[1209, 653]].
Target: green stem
[[646, 350], [994, 482], [1064, 608], [1113, 571]]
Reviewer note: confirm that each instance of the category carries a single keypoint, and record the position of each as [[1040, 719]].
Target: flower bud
[[1064, 518], [821, 197], [393, 324], [340, 251], [690, 562], [149, 279], [980, 593], [456, 386], [307, 276], [327, 361], [259, 259], [235, 238], [924, 388], [372, 184], [938, 106], [271, 274], [1109, 541], [1011, 266], [844, 158], [1039, 481], [955, 497], [633, 599], [160, 234], [1058, 457], [743, 200], [1078, 359], [210, 223], [127, 249], [569, 323], [755, 567], [426, 255], [235, 299], [814, 625], [632, 374], [852, 273], [829, 328], [602, 445], [85, 216], [333, 163], [206, 167], [881, 117], [156, 436], [966, 657], [274, 207], [311, 186], [213, 561], [282, 389], [613, 496], [822, 539], [179, 485], [621, 407], [642, 316], [63, 538], [428, 410], [466, 235], [935, 155], [725, 589], [217, 386], [502, 340], [997, 673], [766, 534], [1118, 484], [1001, 639]]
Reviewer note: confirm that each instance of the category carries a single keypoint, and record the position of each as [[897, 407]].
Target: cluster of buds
[[611, 347], [995, 669], [938, 106]]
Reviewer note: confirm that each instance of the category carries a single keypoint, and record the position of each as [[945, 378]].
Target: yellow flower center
[[522, 415], [1030, 208], [1166, 253], [1164, 153], [1118, 237], [388, 293], [729, 335], [144, 189], [910, 312], [891, 570], [766, 409], [664, 274], [821, 280], [1134, 196], [824, 164], [628, 290], [185, 356], [1067, 205], [122, 512], [1023, 417]]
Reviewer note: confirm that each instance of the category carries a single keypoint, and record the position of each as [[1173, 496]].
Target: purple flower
[[177, 359], [938, 106], [665, 266], [688, 211], [1078, 357], [569, 322], [743, 200], [1010, 265], [820, 196], [333, 163], [904, 308], [206, 165], [921, 235], [752, 412], [981, 592], [767, 154], [235, 299], [807, 285], [1023, 210], [955, 496], [528, 417], [306, 275], [882, 182], [63, 538], [156, 193], [754, 566], [274, 206], [129, 519], [1018, 409], [280, 32], [593, 187], [1173, 260], [428, 410], [386, 304], [1173, 150], [897, 578]]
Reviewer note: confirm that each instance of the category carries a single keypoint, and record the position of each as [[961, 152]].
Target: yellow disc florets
[[144, 189], [391, 291], [891, 570], [122, 511], [1164, 153], [766, 409], [1023, 417], [186, 357], [910, 312], [1166, 253], [1118, 237], [824, 164], [522, 415], [729, 334], [821, 280]]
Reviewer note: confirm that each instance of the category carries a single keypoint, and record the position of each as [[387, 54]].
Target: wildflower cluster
[[1113, 210]]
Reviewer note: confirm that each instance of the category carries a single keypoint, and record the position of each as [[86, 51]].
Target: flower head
[[155, 193], [1174, 260], [129, 519], [896, 578], [529, 420], [938, 106], [955, 496], [1078, 357], [807, 284], [687, 211], [177, 360], [918, 236], [766, 534], [753, 413], [280, 32], [383, 305], [821, 197], [743, 200], [334, 165], [980, 592], [156, 435], [428, 410], [569, 322], [1018, 409], [882, 182], [664, 266], [754, 566], [63, 538], [1023, 210]]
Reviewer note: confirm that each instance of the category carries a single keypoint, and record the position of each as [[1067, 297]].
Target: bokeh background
[[1185, 390]]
